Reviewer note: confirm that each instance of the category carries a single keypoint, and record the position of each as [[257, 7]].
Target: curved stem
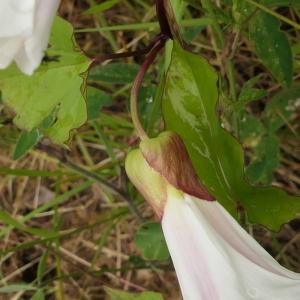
[[137, 84]]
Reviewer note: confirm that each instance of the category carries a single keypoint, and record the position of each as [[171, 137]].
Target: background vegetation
[[71, 223]]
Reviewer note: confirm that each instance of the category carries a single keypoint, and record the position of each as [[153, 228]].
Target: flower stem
[[174, 27], [137, 84], [162, 18]]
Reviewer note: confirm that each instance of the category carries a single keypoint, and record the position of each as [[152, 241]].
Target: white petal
[[8, 49], [237, 237], [212, 259], [16, 17], [30, 55]]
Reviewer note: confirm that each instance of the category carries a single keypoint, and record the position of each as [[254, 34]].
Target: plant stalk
[[137, 84]]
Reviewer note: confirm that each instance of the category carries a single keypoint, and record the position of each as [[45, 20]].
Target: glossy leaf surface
[[189, 108], [55, 86]]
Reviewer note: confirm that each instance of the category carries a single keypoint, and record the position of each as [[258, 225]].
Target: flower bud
[[168, 156], [160, 165]]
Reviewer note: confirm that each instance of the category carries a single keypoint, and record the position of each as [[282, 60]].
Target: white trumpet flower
[[214, 257], [25, 26]]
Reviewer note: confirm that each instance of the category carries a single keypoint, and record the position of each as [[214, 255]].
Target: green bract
[[149, 182], [160, 165]]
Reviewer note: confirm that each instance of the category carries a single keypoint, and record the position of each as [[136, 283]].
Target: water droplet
[[149, 99]]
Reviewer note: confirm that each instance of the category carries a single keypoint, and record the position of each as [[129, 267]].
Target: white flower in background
[[214, 257], [25, 26]]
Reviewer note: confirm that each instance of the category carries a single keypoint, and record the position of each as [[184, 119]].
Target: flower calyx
[[162, 163]]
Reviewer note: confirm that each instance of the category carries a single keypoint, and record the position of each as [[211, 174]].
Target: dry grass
[[101, 252]]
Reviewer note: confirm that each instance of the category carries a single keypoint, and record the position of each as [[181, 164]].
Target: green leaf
[[38, 295], [95, 9], [17, 287], [266, 160], [240, 11], [118, 73], [55, 86], [151, 242], [296, 49], [28, 172], [283, 105], [42, 266], [250, 128], [189, 108], [96, 99], [249, 93], [9, 220], [121, 295], [288, 3], [26, 141], [272, 46], [189, 34]]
